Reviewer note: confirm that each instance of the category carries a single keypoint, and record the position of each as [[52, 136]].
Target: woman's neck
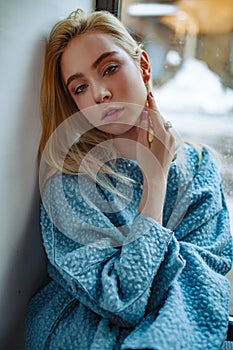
[[126, 143]]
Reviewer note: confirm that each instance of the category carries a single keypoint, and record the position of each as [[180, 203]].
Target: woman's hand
[[155, 134], [155, 152]]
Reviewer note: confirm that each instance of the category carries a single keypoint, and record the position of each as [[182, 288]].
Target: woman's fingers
[[163, 144], [151, 102], [155, 115], [143, 128], [158, 123]]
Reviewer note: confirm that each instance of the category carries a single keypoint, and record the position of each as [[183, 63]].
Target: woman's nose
[[102, 94]]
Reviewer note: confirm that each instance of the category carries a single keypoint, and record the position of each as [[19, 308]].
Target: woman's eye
[[110, 69], [79, 89]]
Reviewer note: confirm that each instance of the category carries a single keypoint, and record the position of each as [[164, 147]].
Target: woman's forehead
[[92, 41], [88, 47]]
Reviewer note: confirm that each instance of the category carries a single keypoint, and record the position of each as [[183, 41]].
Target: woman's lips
[[111, 113]]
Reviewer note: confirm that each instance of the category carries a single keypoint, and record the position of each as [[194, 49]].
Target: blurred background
[[190, 44]]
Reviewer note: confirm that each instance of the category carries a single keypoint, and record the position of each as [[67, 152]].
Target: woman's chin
[[121, 130]]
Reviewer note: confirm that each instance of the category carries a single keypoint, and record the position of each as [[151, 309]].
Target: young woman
[[134, 222]]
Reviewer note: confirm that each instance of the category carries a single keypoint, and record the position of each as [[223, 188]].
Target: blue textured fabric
[[120, 280]]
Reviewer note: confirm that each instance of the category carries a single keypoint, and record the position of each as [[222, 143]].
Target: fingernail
[[150, 94]]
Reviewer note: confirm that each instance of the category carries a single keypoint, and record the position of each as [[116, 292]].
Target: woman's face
[[104, 82]]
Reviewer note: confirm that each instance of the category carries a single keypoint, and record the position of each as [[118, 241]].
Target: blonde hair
[[57, 104]]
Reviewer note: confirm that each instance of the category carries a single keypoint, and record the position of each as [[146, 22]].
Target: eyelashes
[[79, 89], [111, 69]]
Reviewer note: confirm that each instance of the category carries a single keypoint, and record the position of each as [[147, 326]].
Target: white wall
[[24, 25]]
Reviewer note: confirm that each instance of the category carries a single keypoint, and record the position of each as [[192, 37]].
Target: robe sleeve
[[193, 312], [132, 280], [113, 282]]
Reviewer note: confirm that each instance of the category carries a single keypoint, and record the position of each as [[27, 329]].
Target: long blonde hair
[[57, 104]]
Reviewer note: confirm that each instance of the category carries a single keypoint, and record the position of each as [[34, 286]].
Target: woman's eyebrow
[[94, 65], [73, 77], [102, 57]]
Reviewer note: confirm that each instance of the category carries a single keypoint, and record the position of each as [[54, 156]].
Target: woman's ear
[[145, 66]]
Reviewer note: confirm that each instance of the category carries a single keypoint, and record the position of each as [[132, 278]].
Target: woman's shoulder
[[201, 160], [67, 182], [63, 193]]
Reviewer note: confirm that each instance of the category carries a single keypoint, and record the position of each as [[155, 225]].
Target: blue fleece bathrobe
[[119, 279]]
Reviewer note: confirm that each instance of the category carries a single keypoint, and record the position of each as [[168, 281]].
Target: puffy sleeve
[[193, 311], [168, 280], [113, 281]]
